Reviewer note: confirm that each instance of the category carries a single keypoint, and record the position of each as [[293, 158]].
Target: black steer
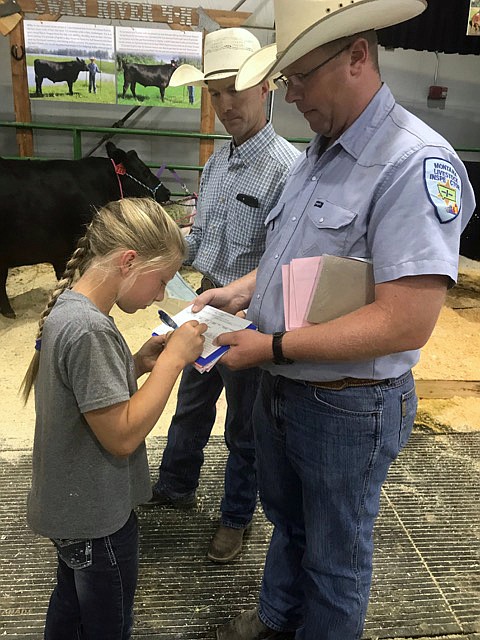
[[45, 205], [470, 238], [57, 72], [148, 75]]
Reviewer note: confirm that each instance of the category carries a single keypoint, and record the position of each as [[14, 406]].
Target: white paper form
[[217, 322]]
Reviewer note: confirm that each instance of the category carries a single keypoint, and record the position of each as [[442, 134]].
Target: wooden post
[[21, 98], [207, 125]]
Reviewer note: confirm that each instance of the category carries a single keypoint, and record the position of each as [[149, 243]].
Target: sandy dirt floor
[[453, 352]]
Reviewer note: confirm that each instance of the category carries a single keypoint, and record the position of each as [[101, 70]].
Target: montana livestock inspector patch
[[444, 188]]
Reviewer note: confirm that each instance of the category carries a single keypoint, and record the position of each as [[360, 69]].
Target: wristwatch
[[278, 357]]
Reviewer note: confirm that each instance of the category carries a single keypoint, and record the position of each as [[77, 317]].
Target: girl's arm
[[122, 427]]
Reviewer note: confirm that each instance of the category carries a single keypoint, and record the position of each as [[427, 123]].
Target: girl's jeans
[[96, 581]]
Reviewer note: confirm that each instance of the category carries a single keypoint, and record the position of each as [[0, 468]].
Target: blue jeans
[[190, 430], [322, 458], [96, 581]]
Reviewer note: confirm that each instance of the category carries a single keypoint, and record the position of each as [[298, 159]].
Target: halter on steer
[[121, 171]]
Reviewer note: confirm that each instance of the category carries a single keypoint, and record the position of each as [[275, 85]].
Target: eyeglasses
[[283, 82]]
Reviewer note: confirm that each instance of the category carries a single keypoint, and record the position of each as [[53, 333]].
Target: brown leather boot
[[226, 544], [248, 626]]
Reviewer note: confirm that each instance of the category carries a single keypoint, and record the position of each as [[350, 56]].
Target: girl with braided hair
[[89, 460]]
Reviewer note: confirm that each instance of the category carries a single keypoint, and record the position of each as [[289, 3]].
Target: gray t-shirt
[[79, 490]]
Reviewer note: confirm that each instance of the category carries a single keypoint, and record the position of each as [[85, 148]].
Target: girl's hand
[[147, 355], [186, 342]]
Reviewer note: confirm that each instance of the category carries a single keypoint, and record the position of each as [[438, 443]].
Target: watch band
[[278, 357]]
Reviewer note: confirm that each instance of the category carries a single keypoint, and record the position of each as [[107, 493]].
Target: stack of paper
[[321, 288], [218, 322]]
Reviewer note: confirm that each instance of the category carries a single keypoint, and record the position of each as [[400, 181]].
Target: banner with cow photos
[[473, 27], [79, 62]]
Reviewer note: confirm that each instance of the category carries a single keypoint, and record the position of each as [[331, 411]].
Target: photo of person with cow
[[146, 60], [90, 466], [60, 68], [240, 184]]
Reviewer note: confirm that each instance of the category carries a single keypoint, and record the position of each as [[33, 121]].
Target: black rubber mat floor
[[427, 552]]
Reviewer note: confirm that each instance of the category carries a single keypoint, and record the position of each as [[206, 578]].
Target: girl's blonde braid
[[77, 264]]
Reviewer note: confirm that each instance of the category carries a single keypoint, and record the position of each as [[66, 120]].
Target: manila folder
[[344, 285]]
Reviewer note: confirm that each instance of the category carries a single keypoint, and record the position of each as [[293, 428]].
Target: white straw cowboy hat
[[225, 51], [304, 25]]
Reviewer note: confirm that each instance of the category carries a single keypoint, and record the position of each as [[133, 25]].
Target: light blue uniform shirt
[[389, 189], [228, 236]]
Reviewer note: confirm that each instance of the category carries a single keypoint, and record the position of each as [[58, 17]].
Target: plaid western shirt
[[239, 187]]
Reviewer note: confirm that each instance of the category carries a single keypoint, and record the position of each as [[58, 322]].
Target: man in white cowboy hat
[[336, 400], [240, 184]]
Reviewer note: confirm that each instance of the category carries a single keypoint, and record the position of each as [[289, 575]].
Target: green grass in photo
[[59, 91], [150, 96], [106, 93]]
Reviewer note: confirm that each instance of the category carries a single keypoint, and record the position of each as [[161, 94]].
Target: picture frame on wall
[[473, 27]]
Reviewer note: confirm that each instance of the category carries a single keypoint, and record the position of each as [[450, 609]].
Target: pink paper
[[286, 294], [303, 277]]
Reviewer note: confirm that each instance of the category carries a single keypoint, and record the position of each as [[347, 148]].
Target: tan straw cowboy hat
[[224, 52], [304, 25]]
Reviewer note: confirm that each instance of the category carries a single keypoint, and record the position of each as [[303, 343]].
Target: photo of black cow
[[57, 72], [148, 75]]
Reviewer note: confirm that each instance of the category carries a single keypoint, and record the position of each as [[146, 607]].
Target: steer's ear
[[116, 154]]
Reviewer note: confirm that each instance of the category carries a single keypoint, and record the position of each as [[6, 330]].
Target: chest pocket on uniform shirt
[[330, 228]]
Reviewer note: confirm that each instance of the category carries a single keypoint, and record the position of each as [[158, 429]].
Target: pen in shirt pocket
[[166, 319], [250, 201]]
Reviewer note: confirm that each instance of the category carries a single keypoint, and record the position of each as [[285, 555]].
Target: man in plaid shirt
[[240, 184]]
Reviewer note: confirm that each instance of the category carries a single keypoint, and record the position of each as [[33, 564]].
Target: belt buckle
[[207, 284]]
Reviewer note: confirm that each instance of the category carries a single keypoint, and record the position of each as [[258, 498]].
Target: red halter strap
[[119, 171]]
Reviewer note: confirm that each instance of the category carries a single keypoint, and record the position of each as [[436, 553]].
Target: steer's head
[[137, 179], [82, 64]]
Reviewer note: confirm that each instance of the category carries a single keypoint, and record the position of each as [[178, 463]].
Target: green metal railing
[[77, 130]]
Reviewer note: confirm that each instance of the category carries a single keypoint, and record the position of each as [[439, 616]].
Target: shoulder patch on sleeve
[[444, 188]]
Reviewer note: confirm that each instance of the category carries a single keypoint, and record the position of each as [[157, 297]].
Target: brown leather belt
[[207, 284], [344, 383]]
